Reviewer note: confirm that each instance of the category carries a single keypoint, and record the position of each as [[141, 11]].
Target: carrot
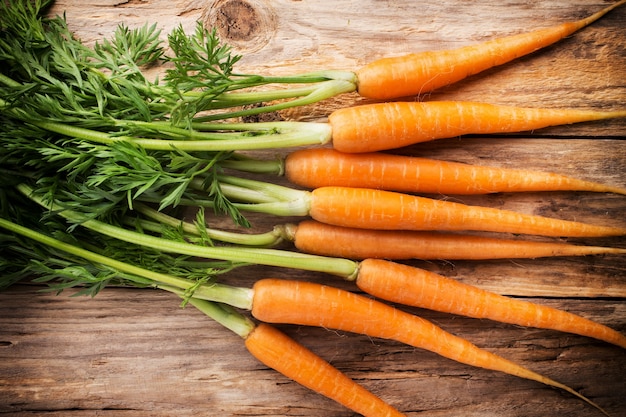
[[310, 304], [420, 288], [385, 210], [422, 72], [323, 239], [379, 126], [320, 167], [278, 351]]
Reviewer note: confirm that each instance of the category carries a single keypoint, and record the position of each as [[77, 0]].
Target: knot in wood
[[243, 24]]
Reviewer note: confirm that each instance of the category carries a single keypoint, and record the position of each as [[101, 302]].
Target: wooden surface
[[131, 353]]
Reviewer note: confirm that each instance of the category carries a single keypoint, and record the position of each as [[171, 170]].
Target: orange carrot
[[283, 354], [310, 304], [379, 126], [419, 288], [278, 351], [422, 72], [323, 239], [385, 210], [320, 167]]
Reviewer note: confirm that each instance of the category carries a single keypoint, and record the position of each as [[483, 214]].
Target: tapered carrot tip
[[420, 73], [278, 351]]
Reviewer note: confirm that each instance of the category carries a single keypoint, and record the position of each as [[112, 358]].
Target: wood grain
[[131, 353], [134, 353]]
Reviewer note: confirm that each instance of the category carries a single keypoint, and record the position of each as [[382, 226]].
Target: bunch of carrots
[[363, 211]]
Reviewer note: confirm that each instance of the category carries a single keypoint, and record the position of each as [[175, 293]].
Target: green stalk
[[235, 296], [9, 82], [299, 207], [344, 268], [261, 239], [310, 77], [337, 82], [321, 92], [267, 136], [224, 314], [244, 163], [286, 201], [254, 196], [267, 189], [235, 192]]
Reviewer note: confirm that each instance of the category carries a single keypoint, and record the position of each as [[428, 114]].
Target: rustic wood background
[[130, 353]]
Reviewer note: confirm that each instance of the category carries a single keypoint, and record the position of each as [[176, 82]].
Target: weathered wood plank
[[134, 352], [130, 353]]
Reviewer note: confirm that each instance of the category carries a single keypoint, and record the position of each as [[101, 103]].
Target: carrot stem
[[322, 91], [224, 314], [245, 163], [252, 136], [270, 238]]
